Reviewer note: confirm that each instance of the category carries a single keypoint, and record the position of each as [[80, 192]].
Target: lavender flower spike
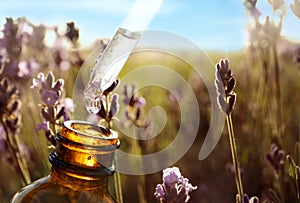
[[171, 175], [159, 191], [246, 199], [175, 188]]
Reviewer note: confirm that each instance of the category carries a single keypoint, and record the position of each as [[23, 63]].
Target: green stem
[[22, 162], [137, 150], [117, 178], [118, 186], [15, 151], [238, 179], [278, 92], [107, 118]]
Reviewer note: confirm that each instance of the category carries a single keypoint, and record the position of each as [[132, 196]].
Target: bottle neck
[[84, 151], [71, 180]]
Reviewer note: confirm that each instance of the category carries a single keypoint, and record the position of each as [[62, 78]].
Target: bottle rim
[[88, 135]]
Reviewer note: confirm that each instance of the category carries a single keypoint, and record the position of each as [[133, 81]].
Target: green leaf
[[292, 167]]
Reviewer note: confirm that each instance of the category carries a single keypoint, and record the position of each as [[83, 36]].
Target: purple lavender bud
[[102, 112], [159, 191], [140, 101], [138, 113], [175, 188], [69, 105], [245, 199], [49, 97], [23, 69], [112, 87], [133, 87], [171, 175], [64, 65], [114, 105], [253, 199], [27, 68], [61, 113], [43, 126], [49, 79], [4, 84], [125, 91], [14, 124], [50, 137], [275, 157], [37, 82], [131, 101], [16, 105], [187, 186], [127, 114], [72, 32], [2, 139], [58, 85], [45, 114]]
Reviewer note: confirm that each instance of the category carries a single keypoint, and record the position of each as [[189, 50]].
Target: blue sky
[[212, 24]]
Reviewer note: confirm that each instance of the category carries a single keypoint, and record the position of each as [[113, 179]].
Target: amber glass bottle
[[81, 166]]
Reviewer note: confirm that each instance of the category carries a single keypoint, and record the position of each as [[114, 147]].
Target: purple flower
[[175, 187], [72, 32], [43, 126], [140, 101], [275, 157], [68, 104], [64, 65], [37, 82], [114, 105], [159, 191], [49, 97], [187, 186], [171, 175], [25, 69], [54, 108], [109, 104], [135, 104], [246, 199]]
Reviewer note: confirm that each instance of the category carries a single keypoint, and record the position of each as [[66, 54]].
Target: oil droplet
[[92, 97]]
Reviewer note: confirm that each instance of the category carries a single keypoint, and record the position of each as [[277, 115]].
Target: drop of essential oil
[[92, 109], [92, 97]]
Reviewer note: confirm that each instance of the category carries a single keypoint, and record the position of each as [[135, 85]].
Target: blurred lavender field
[[266, 117]]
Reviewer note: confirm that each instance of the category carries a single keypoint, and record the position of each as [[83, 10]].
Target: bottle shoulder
[[30, 190], [47, 190]]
